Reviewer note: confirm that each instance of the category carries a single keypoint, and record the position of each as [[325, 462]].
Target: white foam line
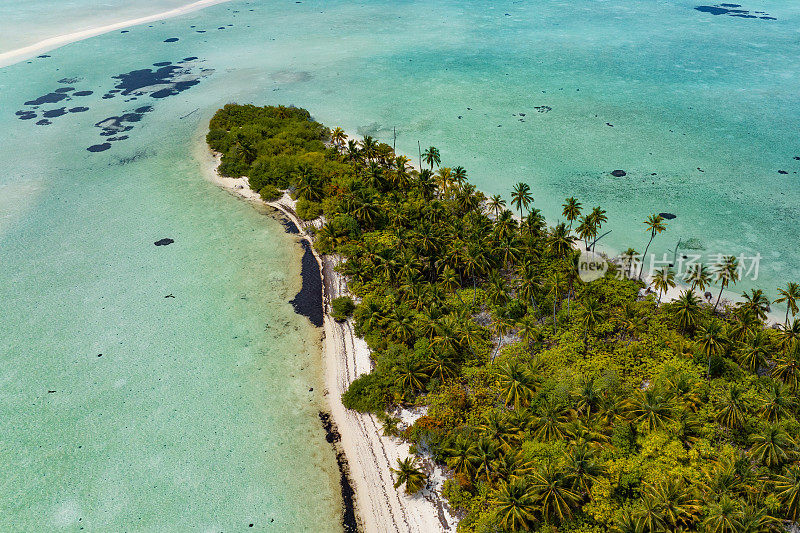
[[26, 52]]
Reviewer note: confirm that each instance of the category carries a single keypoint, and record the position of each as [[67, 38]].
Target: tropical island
[[552, 404]]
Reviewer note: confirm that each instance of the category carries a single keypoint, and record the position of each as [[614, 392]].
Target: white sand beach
[[26, 52]]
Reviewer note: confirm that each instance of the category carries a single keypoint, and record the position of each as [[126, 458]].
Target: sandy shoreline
[[45, 45], [370, 455]]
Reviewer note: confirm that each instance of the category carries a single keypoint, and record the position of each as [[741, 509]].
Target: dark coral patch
[[53, 113], [99, 147], [79, 109], [171, 40], [82, 93]]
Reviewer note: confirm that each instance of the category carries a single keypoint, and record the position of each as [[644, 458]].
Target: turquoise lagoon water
[[198, 415]]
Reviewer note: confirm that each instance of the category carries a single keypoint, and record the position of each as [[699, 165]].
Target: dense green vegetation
[[556, 405]]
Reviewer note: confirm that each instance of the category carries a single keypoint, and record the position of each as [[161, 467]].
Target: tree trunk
[[718, 298], [641, 270]]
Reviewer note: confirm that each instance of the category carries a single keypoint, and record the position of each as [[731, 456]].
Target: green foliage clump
[[270, 193], [342, 307], [308, 210]]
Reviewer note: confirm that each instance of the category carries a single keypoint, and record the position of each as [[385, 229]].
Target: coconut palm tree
[[726, 272], [787, 488], [431, 156], [338, 138], [755, 302], [552, 493], [560, 241], [790, 296], [514, 505], [572, 210], [753, 353], [787, 367], [521, 197], [629, 255], [771, 446], [734, 408], [410, 474], [663, 281], [698, 276], [598, 218], [790, 335], [777, 403], [496, 204], [517, 385], [586, 230], [655, 225], [723, 517], [369, 148], [410, 376], [687, 310], [459, 453], [590, 314], [651, 408], [440, 366]]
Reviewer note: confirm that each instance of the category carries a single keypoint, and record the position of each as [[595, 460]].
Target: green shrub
[[270, 193], [367, 394], [343, 307], [308, 210]]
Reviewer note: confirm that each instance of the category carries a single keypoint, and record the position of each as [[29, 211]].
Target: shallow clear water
[[198, 411]]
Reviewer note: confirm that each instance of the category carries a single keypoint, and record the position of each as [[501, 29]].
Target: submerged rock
[[667, 216], [618, 173], [163, 242]]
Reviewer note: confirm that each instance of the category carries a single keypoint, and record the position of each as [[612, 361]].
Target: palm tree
[[598, 218], [560, 241], [521, 197], [497, 204], [369, 147], [586, 230], [483, 455], [629, 256], [655, 225], [591, 313], [460, 175], [651, 408], [582, 469], [755, 302], [431, 156], [698, 276], [552, 494], [753, 353], [459, 453], [787, 367], [723, 517], [734, 408], [440, 366], [338, 137], [790, 295], [776, 403], [790, 335], [663, 281], [771, 446], [726, 271], [410, 376], [517, 384], [687, 310], [787, 487], [712, 341], [408, 473], [572, 210], [514, 505]]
